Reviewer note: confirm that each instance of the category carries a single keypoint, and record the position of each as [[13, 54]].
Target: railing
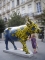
[[37, 13], [8, 10], [13, 7], [28, 14], [28, 1], [18, 4], [3, 12], [0, 14]]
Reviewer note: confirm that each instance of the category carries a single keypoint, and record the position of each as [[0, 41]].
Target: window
[[22, 1], [29, 8], [0, 11], [8, 0], [38, 7], [0, 4], [18, 11], [4, 2], [13, 4], [23, 10], [0, 35], [4, 9], [39, 21], [8, 16], [8, 7], [17, 2]]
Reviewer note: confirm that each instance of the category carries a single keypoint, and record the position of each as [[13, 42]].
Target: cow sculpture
[[21, 34]]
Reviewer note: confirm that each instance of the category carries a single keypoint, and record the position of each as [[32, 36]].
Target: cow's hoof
[[27, 53], [15, 49], [7, 49]]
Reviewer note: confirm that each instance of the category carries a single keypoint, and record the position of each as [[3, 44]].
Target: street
[[6, 56]]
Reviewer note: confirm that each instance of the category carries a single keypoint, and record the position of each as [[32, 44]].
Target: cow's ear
[[27, 24], [29, 21]]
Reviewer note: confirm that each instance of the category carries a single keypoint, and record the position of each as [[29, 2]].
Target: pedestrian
[[34, 43]]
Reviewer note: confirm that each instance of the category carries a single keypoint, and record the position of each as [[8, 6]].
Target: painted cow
[[21, 34]]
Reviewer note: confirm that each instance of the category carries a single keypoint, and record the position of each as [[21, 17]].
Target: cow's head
[[32, 27]]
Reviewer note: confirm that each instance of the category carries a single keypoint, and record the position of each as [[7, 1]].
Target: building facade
[[24, 7], [7, 7]]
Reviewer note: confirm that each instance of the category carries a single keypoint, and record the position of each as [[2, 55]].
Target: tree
[[2, 25], [16, 20], [43, 18]]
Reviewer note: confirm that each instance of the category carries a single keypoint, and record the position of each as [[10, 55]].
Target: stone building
[[32, 8]]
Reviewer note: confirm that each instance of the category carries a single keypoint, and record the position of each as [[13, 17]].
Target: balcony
[[27, 14], [37, 15], [28, 0], [0, 14], [13, 8], [3, 12], [8, 1], [8, 10]]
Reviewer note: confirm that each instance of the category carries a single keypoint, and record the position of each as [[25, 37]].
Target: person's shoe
[[35, 52]]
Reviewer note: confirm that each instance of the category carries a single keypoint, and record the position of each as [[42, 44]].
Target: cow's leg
[[24, 47], [6, 42], [14, 45]]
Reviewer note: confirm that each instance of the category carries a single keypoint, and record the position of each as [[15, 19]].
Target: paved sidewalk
[[39, 56]]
